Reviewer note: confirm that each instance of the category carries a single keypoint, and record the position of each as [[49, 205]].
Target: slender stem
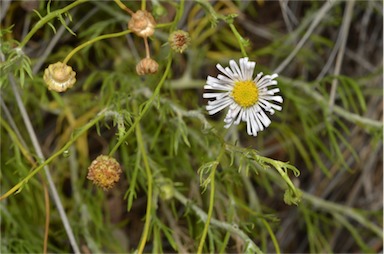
[[47, 18], [344, 37], [319, 16], [98, 38], [47, 216], [144, 236], [211, 203], [239, 39], [122, 6], [179, 14], [273, 237], [17, 141], [143, 5], [147, 52], [145, 109]]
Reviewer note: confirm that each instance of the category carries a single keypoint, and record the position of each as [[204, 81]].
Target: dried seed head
[[142, 23], [59, 77], [179, 40], [147, 66], [104, 172]]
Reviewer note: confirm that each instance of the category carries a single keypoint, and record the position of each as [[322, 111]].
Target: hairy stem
[[211, 203]]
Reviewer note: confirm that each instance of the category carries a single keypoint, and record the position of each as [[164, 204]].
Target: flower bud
[[142, 23], [179, 40], [59, 77], [167, 190], [147, 66], [104, 172]]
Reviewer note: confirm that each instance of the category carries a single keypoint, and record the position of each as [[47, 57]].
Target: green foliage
[[17, 63], [305, 184]]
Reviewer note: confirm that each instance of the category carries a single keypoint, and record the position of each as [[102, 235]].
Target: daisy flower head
[[246, 98]]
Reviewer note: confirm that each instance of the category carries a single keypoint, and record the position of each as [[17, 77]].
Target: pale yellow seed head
[[245, 93], [59, 77]]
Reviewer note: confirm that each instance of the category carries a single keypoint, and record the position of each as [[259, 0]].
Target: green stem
[[50, 159], [179, 14], [15, 139], [211, 203], [239, 39], [47, 18], [87, 43], [272, 235], [146, 107], [125, 8], [145, 233]]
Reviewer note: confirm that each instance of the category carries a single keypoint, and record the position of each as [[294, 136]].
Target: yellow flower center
[[245, 93]]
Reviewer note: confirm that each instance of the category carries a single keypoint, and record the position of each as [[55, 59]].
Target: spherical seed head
[[59, 77], [142, 23], [104, 172], [179, 40], [147, 66]]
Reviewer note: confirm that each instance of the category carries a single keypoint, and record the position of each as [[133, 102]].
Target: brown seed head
[[147, 66], [142, 23], [179, 40], [104, 172]]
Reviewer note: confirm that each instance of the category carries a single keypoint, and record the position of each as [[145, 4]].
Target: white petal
[[234, 76], [218, 96], [215, 106], [258, 77], [218, 87], [276, 98], [220, 68], [253, 124], [264, 118], [235, 68], [268, 92], [239, 117], [267, 104], [234, 111], [259, 124], [226, 80], [249, 131]]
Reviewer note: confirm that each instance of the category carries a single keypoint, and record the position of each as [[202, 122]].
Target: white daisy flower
[[246, 98]]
